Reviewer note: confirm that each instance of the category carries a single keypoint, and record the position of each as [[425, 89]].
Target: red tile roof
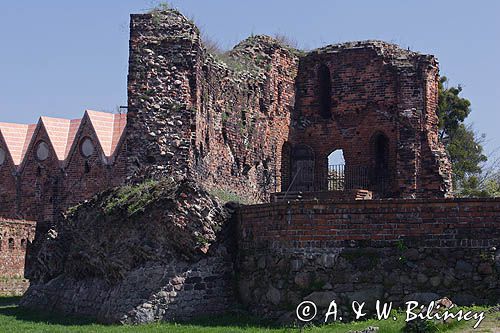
[[61, 133], [109, 128], [17, 138]]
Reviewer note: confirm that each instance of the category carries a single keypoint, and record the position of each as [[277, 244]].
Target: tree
[[466, 152], [463, 144], [452, 109]]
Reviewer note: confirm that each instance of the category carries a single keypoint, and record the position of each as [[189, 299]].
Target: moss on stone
[[135, 198]]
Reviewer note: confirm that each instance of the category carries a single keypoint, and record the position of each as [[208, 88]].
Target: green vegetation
[[471, 177], [135, 198], [14, 319], [227, 196]]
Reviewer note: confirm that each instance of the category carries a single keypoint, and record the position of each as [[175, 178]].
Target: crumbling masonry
[[259, 123], [261, 119]]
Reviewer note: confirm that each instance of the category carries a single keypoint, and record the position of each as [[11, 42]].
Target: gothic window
[[336, 171], [11, 243], [286, 151], [381, 173], [325, 92]]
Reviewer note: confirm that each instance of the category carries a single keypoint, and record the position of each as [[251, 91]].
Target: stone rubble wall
[[164, 52], [174, 291], [159, 250], [218, 118], [391, 250]]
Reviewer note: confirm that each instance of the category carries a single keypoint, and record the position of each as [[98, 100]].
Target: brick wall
[[235, 121], [243, 119], [41, 190], [220, 121], [7, 185], [375, 89], [438, 222], [15, 237], [387, 250]]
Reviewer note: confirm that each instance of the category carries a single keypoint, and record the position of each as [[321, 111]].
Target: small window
[[2, 156], [325, 92], [11, 243], [42, 151], [87, 147], [23, 243], [86, 167]]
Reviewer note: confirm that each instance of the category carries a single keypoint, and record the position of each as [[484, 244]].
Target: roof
[[109, 128], [17, 138], [62, 133]]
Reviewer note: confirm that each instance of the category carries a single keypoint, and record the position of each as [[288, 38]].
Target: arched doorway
[[302, 171], [336, 171]]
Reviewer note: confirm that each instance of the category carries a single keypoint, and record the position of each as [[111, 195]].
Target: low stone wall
[[173, 291], [387, 250]]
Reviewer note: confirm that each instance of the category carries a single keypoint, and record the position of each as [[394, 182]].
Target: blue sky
[[61, 57]]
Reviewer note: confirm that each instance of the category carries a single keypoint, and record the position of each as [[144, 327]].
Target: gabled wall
[[40, 182], [7, 182], [41, 190]]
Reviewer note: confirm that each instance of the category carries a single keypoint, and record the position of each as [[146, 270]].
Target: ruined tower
[[263, 117], [220, 119]]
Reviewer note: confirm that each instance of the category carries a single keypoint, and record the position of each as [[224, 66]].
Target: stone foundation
[[174, 291], [387, 250]]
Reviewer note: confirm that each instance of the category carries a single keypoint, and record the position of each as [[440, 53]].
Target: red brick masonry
[[14, 238], [436, 222]]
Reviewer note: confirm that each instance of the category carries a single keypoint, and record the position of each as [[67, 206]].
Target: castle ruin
[[260, 122]]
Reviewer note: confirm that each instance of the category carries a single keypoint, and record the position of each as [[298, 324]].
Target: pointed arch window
[[325, 92]]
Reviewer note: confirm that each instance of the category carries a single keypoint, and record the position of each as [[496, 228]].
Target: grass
[[14, 319], [227, 196]]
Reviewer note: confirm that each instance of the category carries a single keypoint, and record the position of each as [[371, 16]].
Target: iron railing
[[340, 177]]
